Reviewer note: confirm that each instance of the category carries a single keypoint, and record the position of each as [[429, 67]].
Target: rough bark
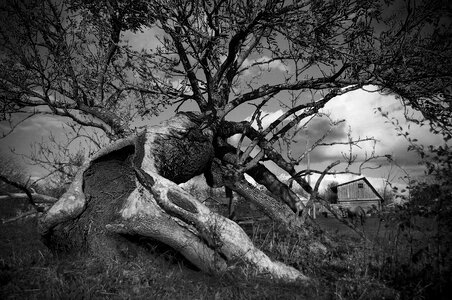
[[263, 176], [258, 172], [223, 173], [130, 190], [278, 212]]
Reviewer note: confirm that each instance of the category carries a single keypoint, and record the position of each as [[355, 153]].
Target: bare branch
[[178, 37], [315, 191], [22, 187], [20, 216], [38, 198], [14, 126]]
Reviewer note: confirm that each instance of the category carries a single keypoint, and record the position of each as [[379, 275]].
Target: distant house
[[358, 192]]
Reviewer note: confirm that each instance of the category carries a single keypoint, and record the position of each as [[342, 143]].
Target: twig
[[25, 214], [38, 198]]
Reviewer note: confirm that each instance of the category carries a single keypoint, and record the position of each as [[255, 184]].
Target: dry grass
[[29, 271], [353, 269]]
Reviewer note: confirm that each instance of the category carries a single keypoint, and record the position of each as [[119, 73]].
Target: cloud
[[267, 119], [30, 131], [317, 127], [4, 127], [35, 123], [359, 109], [144, 39], [40, 123]]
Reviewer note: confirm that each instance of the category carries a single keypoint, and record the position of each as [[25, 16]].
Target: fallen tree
[[153, 205], [70, 59]]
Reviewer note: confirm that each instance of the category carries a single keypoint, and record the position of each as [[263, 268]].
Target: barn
[[358, 192]]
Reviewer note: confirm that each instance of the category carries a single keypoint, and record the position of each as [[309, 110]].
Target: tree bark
[[223, 173], [278, 212], [130, 190], [258, 172]]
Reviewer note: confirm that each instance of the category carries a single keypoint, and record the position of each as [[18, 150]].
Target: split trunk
[[127, 195]]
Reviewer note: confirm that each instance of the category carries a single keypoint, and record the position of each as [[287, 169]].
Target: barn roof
[[368, 183]]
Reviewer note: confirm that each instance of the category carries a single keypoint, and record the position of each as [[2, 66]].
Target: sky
[[357, 108]]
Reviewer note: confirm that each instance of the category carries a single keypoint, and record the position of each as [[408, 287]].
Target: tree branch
[[189, 69], [315, 192], [37, 198], [23, 188], [16, 218], [316, 84]]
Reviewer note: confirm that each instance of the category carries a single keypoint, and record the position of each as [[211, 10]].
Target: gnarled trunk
[[129, 192], [277, 211]]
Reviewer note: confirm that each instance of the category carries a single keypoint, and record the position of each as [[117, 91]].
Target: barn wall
[[350, 195], [352, 192], [365, 204]]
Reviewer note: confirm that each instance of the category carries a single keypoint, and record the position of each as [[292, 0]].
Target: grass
[[354, 269], [29, 271]]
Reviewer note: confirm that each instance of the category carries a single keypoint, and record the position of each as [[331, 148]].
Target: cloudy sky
[[357, 108]]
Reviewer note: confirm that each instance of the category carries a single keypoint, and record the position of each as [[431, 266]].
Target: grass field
[[354, 269], [374, 228], [29, 271]]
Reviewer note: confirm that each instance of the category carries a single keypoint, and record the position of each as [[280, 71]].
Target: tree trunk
[[266, 178], [128, 193], [278, 212]]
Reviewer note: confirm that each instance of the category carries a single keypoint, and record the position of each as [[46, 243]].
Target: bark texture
[[264, 177], [129, 192], [277, 211]]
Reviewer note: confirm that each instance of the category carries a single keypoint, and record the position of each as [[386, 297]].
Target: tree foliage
[[67, 56], [330, 193], [71, 56]]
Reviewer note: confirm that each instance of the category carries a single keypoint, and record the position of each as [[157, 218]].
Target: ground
[[353, 270]]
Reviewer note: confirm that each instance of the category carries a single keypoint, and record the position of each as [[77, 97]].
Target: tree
[[17, 192], [70, 59], [387, 194], [9, 171], [330, 194]]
